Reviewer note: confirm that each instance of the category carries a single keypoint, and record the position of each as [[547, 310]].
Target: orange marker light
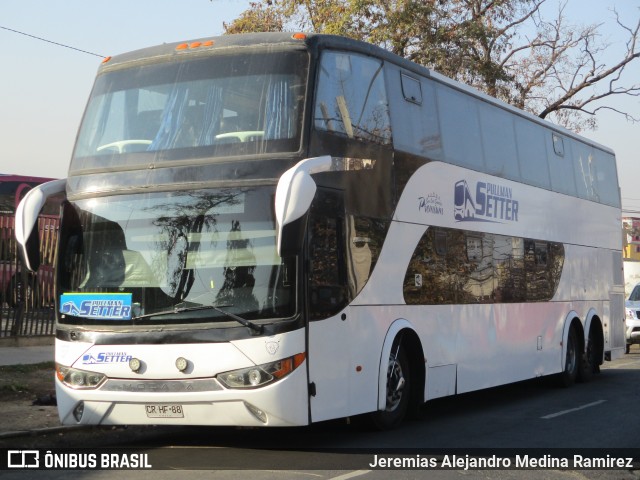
[[299, 36], [182, 46], [208, 43], [195, 44], [106, 59]]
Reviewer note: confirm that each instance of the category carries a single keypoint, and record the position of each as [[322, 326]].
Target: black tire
[[589, 364], [627, 348], [398, 391], [571, 361]]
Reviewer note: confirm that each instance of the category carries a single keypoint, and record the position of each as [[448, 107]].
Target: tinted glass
[[351, 97], [458, 267], [179, 249], [192, 108]]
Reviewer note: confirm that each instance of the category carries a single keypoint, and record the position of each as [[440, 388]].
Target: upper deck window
[[224, 105], [351, 98]]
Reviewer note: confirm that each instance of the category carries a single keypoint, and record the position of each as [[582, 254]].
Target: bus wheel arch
[[401, 377], [593, 351]]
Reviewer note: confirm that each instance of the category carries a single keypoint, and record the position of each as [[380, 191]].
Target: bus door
[[327, 299]]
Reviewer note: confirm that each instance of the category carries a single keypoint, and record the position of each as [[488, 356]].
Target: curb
[[32, 341], [43, 431]]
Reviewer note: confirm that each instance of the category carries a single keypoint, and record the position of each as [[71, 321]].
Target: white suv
[[632, 332]]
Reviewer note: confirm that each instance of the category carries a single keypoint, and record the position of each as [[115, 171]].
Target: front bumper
[[284, 403]]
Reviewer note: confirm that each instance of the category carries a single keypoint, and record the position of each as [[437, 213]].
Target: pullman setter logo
[[99, 306], [491, 203]]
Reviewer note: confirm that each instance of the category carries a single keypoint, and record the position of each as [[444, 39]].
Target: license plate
[[164, 410]]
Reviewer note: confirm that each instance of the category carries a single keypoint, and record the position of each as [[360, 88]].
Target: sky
[[44, 87]]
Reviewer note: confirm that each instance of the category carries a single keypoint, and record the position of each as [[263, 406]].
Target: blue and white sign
[[106, 357], [97, 306], [491, 203]]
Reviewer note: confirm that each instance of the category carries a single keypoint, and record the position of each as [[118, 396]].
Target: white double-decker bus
[[277, 229]]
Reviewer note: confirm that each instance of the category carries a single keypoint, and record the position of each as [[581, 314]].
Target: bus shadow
[[464, 420]]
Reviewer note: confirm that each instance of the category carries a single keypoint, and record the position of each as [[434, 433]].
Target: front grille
[[161, 386]]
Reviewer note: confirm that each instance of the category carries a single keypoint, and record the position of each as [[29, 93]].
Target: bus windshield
[[173, 252], [186, 108]]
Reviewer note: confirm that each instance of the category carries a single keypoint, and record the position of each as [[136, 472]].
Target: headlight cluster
[[261, 375], [79, 379]]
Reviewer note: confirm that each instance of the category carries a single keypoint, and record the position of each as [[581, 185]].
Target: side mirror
[[294, 194], [26, 224]]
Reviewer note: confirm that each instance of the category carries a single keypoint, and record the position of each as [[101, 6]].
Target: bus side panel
[[329, 369], [504, 207], [473, 346]]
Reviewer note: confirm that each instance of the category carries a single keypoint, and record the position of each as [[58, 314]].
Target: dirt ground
[[27, 397]]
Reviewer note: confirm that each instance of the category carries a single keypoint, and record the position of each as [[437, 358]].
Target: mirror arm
[[26, 223], [295, 192]]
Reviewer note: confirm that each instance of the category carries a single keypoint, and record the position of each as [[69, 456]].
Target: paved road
[[532, 417]]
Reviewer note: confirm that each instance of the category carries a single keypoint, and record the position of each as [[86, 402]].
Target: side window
[[532, 154], [456, 267], [460, 127], [543, 266], [364, 237], [560, 164], [436, 273], [498, 141], [558, 144], [327, 276], [583, 169], [351, 97], [508, 260], [606, 178], [479, 284], [411, 89]]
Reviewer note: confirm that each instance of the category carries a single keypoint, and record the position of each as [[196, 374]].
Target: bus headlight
[[261, 375], [78, 379]]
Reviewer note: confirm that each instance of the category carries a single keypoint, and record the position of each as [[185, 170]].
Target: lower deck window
[[452, 266]]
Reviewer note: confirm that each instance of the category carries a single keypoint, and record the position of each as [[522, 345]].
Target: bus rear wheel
[[398, 391], [590, 363], [571, 361]]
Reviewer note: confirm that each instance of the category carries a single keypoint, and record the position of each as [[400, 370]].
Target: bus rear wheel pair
[[580, 366]]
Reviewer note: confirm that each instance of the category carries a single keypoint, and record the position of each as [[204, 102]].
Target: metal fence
[[27, 305]]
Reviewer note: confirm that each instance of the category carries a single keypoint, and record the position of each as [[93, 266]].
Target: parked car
[[632, 331]]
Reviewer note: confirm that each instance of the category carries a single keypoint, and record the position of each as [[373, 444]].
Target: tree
[[258, 18], [506, 48]]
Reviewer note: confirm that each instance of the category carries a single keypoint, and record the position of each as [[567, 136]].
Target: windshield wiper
[[243, 321], [175, 309], [247, 323]]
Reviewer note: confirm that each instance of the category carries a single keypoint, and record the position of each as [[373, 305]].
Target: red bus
[[13, 188]]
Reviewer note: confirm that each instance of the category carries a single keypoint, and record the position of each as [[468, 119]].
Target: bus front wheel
[[398, 391]]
